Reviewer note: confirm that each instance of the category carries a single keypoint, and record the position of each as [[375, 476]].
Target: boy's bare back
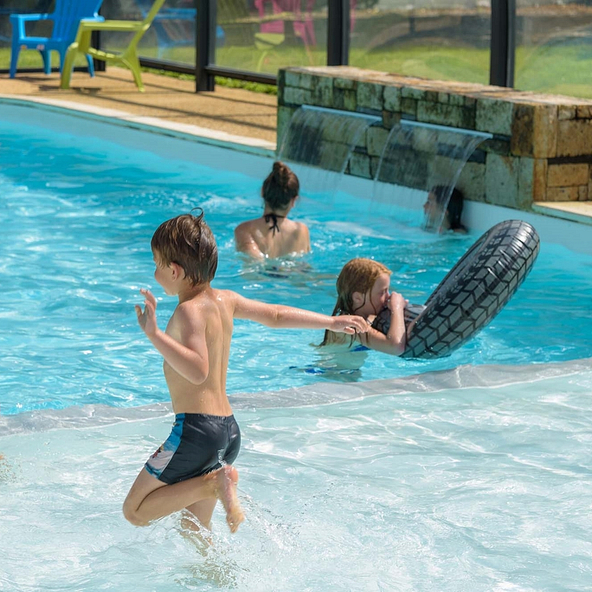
[[203, 323]]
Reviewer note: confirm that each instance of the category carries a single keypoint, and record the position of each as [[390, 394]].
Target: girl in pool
[[435, 219], [274, 235], [363, 289]]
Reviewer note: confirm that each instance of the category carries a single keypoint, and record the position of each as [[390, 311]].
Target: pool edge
[[155, 125]]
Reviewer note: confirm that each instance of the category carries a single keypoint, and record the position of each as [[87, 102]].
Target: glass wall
[[171, 36], [438, 39], [554, 48], [264, 35]]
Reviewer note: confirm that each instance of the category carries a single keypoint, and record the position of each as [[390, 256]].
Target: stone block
[[322, 93], [567, 175], [409, 106], [344, 99], [292, 79], [444, 98], [534, 130], [376, 137], [532, 179], [390, 119], [501, 181], [584, 112], [297, 96], [574, 137], [583, 193], [562, 194], [409, 92], [374, 163], [496, 145], [566, 112], [471, 181], [449, 115], [494, 116], [345, 83], [392, 99], [370, 96], [359, 165]]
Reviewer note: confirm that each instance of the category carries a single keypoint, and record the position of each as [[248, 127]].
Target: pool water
[[470, 472], [78, 217]]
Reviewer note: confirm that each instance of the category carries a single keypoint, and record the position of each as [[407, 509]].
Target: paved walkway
[[227, 110]]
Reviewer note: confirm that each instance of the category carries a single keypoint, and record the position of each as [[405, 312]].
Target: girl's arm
[[189, 356], [288, 317], [394, 341]]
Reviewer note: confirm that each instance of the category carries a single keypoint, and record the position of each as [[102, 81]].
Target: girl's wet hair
[[187, 241], [455, 204], [280, 187], [357, 275]]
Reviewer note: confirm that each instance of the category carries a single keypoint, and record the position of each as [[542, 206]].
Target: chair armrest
[[125, 26], [31, 17]]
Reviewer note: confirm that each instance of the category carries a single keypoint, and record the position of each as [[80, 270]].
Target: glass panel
[[554, 48], [264, 35], [450, 42]]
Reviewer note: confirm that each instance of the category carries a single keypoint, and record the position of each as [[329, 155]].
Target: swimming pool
[[470, 469]]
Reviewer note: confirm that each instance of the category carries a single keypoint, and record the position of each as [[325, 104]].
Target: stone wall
[[541, 148]]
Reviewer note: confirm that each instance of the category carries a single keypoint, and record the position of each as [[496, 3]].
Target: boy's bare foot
[[225, 490]]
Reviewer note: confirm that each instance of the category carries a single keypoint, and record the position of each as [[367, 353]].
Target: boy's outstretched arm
[[189, 357], [289, 317]]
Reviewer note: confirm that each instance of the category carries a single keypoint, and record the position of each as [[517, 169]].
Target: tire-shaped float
[[471, 294]]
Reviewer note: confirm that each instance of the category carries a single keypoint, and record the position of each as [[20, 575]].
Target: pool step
[[576, 211]]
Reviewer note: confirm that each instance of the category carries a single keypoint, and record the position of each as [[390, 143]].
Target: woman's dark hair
[[454, 207], [187, 241], [280, 187]]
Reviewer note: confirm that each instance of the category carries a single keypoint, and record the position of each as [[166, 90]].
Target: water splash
[[323, 139], [416, 158]]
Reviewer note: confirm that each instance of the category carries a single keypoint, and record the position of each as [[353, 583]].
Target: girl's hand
[[350, 324], [147, 319], [396, 301]]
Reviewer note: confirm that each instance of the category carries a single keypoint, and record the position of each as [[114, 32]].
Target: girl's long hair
[[357, 275]]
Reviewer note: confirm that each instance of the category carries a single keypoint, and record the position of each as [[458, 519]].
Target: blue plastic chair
[[66, 17]]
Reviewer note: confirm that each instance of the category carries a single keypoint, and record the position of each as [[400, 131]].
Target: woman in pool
[[274, 235], [363, 289], [435, 219]]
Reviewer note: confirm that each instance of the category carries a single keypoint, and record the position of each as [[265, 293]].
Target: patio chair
[[175, 27], [66, 17], [127, 58]]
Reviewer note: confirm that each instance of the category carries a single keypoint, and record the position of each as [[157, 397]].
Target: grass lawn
[[550, 69]]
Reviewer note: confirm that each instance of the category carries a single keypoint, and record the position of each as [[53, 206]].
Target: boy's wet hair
[[455, 204], [357, 275], [280, 187], [187, 241]]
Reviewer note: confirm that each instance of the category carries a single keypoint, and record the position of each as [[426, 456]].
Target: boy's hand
[[350, 324], [147, 319]]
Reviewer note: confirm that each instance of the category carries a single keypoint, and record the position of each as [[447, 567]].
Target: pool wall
[[541, 148]]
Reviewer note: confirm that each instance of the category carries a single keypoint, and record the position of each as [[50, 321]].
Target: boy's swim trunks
[[198, 444]]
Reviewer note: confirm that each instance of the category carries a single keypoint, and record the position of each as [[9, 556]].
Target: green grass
[[560, 69]]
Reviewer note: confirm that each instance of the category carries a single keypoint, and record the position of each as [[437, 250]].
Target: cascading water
[[323, 140], [418, 157]]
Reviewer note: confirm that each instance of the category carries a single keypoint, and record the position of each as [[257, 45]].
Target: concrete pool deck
[[227, 111]]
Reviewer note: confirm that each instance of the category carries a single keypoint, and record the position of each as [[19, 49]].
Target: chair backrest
[[68, 14], [156, 6]]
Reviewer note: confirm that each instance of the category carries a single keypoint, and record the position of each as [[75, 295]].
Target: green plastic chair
[[127, 58]]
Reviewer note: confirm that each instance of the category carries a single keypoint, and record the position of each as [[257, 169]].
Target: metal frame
[[502, 54]]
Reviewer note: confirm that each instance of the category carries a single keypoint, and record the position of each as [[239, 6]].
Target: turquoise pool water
[[78, 217], [471, 472]]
